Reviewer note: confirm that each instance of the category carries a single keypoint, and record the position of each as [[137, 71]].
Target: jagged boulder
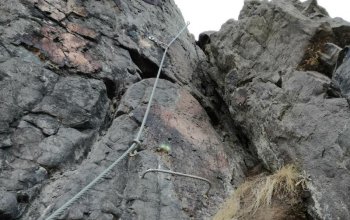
[[269, 71]]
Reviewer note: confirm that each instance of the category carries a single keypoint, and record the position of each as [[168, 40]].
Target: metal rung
[[179, 174]]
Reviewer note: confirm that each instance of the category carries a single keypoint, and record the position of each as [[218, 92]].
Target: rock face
[[75, 78], [8, 205], [268, 70]]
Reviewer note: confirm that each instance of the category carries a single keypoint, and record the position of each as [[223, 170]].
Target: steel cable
[[136, 142]]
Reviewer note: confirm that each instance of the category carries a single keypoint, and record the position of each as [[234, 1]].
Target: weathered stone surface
[[177, 119], [341, 78], [22, 87], [86, 32], [54, 151], [8, 205], [76, 102], [64, 67], [75, 78], [152, 2], [48, 124], [288, 116]]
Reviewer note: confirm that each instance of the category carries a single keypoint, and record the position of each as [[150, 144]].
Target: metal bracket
[[158, 42], [179, 174], [137, 147]]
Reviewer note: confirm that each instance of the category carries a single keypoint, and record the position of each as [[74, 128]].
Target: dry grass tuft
[[312, 54], [266, 197]]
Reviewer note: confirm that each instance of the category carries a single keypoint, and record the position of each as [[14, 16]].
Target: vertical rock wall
[[269, 71], [75, 77]]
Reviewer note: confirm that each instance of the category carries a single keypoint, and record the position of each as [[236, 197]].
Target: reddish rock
[[61, 48], [83, 63], [72, 42], [51, 32], [52, 51], [84, 31]]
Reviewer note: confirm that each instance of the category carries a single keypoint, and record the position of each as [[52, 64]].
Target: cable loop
[[137, 142]]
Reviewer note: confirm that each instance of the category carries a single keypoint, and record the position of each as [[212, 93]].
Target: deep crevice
[[279, 82], [110, 87], [22, 198], [342, 34], [233, 135], [253, 161], [148, 68], [209, 109], [333, 92], [212, 116], [5, 215], [242, 137], [245, 82]]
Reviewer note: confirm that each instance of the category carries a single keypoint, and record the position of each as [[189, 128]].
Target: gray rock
[[75, 77], [26, 138], [48, 124], [61, 81], [76, 102], [21, 87], [341, 78], [204, 39], [287, 115], [55, 150], [344, 142], [8, 205], [6, 143], [152, 2], [176, 119]]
